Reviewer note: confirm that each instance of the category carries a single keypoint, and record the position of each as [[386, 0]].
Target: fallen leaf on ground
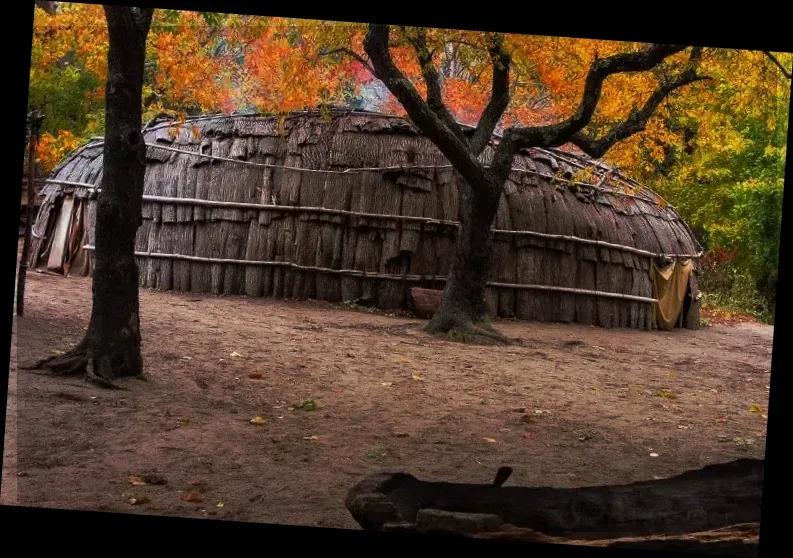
[[192, 497], [310, 437], [755, 409], [219, 505], [418, 378], [540, 412], [489, 440], [720, 419], [764, 416], [136, 481], [256, 375], [187, 358], [235, 354], [183, 422], [140, 499], [257, 421], [653, 455], [388, 384]]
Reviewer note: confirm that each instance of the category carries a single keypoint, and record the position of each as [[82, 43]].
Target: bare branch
[[352, 54], [499, 96], [785, 72], [434, 128], [433, 80], [555, 135]]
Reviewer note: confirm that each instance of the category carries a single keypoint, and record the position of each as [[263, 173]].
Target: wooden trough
[[715, 509]]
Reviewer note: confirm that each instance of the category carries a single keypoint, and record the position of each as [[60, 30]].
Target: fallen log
[[735, 540], [714, 497], [426, 301]]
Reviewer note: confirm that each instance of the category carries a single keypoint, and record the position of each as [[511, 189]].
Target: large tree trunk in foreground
[[111, 347], [714, 497], [463, 309]]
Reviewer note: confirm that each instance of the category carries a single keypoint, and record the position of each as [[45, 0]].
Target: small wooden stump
[[426, 301]]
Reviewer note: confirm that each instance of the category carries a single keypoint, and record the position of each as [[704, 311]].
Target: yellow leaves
[[51, 149]]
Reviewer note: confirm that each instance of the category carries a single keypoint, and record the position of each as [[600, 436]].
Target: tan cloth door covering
[[669, 287]]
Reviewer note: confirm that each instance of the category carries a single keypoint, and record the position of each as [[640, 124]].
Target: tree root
[[481, 333], [72, 363]]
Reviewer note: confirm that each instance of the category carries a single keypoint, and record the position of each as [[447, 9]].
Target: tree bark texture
[[111, 347]]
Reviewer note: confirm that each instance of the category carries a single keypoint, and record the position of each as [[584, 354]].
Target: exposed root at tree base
[[74, 362], [480, 333]]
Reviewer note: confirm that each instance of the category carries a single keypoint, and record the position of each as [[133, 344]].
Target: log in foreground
[[688, 511]]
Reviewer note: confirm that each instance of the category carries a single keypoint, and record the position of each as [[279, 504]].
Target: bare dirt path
[[573, 406]]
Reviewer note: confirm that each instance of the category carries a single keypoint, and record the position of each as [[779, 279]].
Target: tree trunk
[[713, 497], [111, 347], [463, 309]]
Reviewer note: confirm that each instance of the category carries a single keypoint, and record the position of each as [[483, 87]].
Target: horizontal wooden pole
[[408, 218], [385, 169], [387, 276]]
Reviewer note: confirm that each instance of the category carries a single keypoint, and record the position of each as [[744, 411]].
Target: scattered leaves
[[307, 405], [666, 393], [755, 409], [139, 499], [193, 497], [259, 421], [418, 378]]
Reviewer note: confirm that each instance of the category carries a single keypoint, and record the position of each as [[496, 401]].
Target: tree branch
[[433, 80], [555, 135], [785, 72], [637, 120], [450, 144], [352, 54], [499, 96]]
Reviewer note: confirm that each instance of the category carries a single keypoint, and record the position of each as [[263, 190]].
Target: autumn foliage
[[715, 149]]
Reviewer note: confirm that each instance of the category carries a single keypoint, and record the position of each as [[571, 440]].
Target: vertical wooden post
[[35, 119]]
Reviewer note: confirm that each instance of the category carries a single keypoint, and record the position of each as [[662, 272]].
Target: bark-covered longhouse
[[352, 205]]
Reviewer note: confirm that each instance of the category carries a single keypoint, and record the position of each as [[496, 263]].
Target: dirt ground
[[573, 406]]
